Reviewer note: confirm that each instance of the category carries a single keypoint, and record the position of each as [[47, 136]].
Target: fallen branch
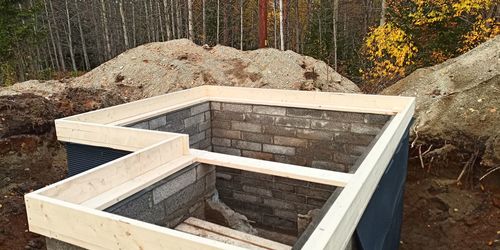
[[489, 172]]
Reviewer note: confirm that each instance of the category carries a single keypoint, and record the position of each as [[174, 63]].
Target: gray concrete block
[[224, 133], [246, 145], [279, 130], [343, 116], [221, 124], [376, 119], [245, 126], [259, 119], [215, 106], [257, 155], [225, 150], [246, 197], [172, 126], [368, 129], [305, 113], [314, 193], [204, 125], [352, 138], [275, 203], [242, 108], [257, 137], [179, 115], [196, 137], [275, 149], [200, 108], [289, 196], [290, 141], [314, 134], [141, 125], [157, 122], [228, 116], [173, 186], [328, 165], [293, 122], [194, 120], [329, 125], [269, 110], [257, 191], [286, 214], [216, 141]]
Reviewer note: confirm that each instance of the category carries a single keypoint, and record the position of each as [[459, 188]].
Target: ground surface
[[439, 213]]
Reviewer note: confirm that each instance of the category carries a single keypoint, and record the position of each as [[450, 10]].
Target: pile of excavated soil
[[458, 103], [158, 68]]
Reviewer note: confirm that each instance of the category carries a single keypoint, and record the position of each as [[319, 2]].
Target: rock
[[219, 213], [303, 220], [458, 102]]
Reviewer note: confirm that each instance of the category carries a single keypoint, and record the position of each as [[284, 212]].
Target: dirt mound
[[79, 100], [26, 114], [458, 103], [158, 68]]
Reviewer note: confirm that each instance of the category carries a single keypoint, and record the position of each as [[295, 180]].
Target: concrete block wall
[[194, 121], [173, 199], [329, 140], [320, 139]]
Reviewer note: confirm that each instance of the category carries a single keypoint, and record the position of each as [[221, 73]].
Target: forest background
[[372, 42]]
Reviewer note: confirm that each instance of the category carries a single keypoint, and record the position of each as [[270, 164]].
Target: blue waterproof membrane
[[380, 225], [83, 157]]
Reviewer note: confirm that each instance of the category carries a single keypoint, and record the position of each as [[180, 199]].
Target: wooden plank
[[94, 229], [122, 138], [335, 229], [183, 227], [138, 183], [252, 239], [157, 112], [348, 102], [86, 185], [273, 168], [144, 106]]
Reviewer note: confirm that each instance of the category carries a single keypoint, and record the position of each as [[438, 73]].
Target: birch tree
[[190, 19]]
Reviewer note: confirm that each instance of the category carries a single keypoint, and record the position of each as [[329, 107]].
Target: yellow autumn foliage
[[390, 50]]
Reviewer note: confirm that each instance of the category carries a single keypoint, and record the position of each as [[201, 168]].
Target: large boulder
[[458, 102]]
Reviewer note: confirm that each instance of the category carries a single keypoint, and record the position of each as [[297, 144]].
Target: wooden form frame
[[70, 210]]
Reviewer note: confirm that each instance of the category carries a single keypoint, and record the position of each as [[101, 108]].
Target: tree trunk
[[204, 22], [51, 34], [160, 21], [179, 20], [282, 32], [172, 19], [70, 39], [218, 21], [134, 30], [275, 25], [335, 17], [167, 20], [297, 27], [190, 19], [58, 39], [382, 13], [106, 31], [82, 38], [124, 24], [148, 25], [241, 24], [262, 23]]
